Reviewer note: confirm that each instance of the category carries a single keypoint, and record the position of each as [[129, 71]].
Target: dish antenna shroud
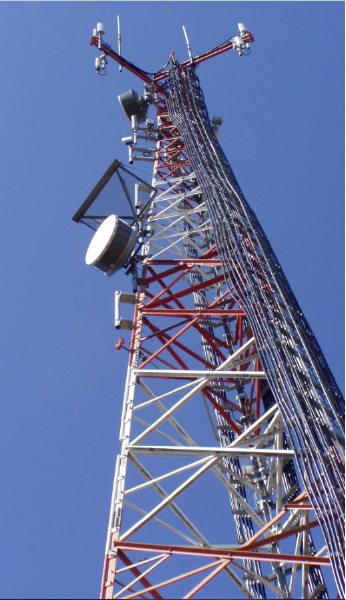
[[133, 105], [111, 245], [114, 209]]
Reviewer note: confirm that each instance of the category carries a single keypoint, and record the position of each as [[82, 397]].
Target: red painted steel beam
[[206, 580], [180, 577], [194, 288], [173, 153], [131, 589], [213, 341], [165, 329], [163, 341], [222, 412], [225, 400], [206, 55], [156, 276], [151, 296], [181, 265], [187, 262], [191, 353], [201, 312], [104, 577], [231, 554], [163, 337], [296, 506], [171, 172], [274, 520], [179, 333], [136, 572], [124, 63], [167, 288], [280, 536], [158, 358]]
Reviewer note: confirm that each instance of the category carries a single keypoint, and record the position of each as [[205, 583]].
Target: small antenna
[[188, 44], [119, 41]]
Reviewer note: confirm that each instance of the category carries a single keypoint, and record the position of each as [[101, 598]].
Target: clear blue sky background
[[283, 132]]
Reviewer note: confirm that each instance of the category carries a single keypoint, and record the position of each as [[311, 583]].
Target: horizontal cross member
[[218, 553], [188, 262], [207, 374], [248, 38], [205, 451], [203, 312]]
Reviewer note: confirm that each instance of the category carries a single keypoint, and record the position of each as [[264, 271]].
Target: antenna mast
[[119, 41], [187, 44]]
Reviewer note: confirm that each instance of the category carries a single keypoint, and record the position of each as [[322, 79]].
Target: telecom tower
[[230, 470]]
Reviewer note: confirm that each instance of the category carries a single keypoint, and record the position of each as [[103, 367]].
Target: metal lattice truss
[[207, 488]]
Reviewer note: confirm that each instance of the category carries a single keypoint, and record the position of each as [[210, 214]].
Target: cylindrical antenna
[[117, 316], [134, 127], [119, 41], [100, 29], [188, 44]]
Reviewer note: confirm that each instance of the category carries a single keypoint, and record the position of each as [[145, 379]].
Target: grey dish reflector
[[111, 245], [133, 105]]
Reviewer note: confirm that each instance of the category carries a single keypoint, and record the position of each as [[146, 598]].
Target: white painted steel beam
[[157, 398], [172, 249], [140, 563], [259, 440], [258, 577], [267, 415], [166, 502], [172, 505], [166, 475], [275, 422], [205, 374], [161, 235], [213, 451], [305, 551], [165, 215], [199, 386], [321, 551], [168, 197], [295, 566], [146, 572], [182, 237], [188, 523], [158, 431], [279, 471], [214, 469], [179, 533]]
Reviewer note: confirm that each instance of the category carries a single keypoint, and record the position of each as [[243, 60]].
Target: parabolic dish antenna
[[111, 245]]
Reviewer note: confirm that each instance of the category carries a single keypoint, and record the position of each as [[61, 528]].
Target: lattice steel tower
[[232, 423]]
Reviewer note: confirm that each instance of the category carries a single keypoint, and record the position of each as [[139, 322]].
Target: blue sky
[[283, 132]]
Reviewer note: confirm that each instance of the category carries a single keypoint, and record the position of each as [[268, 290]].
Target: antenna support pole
[[188, 45], [119, 42]]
